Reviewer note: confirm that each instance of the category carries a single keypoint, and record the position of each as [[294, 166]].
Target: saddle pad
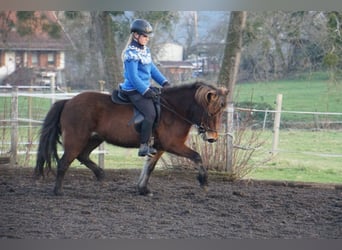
[[118, 99]]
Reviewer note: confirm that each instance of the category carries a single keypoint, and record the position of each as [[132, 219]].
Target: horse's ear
[[211, 96], [223, 91]]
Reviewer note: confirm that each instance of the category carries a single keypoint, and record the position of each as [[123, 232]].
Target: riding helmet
[[142, 27]]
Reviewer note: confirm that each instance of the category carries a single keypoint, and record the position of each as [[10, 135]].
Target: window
[[51, 59], [19, 59], [34, 59]]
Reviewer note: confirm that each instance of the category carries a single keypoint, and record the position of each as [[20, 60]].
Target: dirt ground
[[178, 209]]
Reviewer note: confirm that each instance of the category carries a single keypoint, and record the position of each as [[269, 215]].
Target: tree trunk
[[228, 75], [232, 52], [112, 69], [105, 42]]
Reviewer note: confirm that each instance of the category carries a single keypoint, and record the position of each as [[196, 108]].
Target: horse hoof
[[145, 191], [37, 175], [205, 189], [202, 179], [100, 176], [58, 192]]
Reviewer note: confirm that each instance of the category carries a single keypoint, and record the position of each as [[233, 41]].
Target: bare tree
[[95, 56], [232, 51], [104, 36]]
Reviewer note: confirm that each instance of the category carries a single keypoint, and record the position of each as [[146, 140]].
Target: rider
[[138, 70]]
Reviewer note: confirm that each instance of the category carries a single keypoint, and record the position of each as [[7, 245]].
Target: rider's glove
[[150, 94]]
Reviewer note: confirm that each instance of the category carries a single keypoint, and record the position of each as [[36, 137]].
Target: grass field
[[303, 155], [308, 156], [315, 94]]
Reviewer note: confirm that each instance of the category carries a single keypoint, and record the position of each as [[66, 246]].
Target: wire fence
[[22, 114], [317, 133]]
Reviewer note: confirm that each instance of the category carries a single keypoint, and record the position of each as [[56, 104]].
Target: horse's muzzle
[[210, 137], [212, 140]]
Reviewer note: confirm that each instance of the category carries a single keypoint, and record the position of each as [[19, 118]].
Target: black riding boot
[[145, 134]]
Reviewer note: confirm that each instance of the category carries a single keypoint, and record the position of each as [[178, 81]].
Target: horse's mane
[[201, 95], [188, 86]]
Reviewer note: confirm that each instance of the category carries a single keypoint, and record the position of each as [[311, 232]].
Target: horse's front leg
[[149, 165], [202, 177]]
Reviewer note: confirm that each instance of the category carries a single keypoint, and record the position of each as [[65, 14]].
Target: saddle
[[118, 97]]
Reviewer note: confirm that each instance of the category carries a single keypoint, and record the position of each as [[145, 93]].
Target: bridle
[[201, 128]]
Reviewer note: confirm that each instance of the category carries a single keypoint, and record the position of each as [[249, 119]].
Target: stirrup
[[152, 150], [145, 149]]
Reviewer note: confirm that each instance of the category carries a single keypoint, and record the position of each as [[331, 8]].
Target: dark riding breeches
[[147, 109]]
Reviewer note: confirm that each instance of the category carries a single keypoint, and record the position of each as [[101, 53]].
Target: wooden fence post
[[52, 89], [277, 124], [102, 145], [29, 110], [14, 127], [229, 134]]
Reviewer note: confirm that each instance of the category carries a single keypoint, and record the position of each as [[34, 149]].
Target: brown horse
[[90, 118]]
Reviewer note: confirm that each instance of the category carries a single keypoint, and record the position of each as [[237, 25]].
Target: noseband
[[203, 128]]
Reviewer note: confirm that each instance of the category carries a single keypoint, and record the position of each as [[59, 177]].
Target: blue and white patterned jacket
[[139, 69]]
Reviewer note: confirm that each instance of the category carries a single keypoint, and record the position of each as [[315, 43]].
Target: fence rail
[[15, 119], [289, 112]]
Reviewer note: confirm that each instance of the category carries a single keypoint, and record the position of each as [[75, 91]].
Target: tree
[[103, 29], [279, 44], [161, 22], [232, 51], [103, 25], [333, 57], [27, 23], [95, 56], [229, 70]]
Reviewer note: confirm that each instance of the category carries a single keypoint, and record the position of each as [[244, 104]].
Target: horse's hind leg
[[39, 169], [83, 157], [62, 167], [146, 173], [72, 147]]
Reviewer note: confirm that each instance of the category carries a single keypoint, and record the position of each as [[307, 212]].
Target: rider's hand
[[166, 85], [150, 94]]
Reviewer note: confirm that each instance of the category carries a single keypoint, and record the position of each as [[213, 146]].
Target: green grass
[[298, 160], [298, 157], [298, 95], [302, 174], [303, 156], [118, 157]]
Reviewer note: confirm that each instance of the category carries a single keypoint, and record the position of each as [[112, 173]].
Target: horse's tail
[[49, 137]]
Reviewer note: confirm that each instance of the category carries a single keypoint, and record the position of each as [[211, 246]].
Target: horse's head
[[213, 101]]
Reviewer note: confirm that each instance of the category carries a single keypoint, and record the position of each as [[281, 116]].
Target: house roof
[[22, 76], [38, 39]]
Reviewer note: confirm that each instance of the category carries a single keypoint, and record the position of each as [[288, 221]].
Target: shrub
[[246, 143]]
